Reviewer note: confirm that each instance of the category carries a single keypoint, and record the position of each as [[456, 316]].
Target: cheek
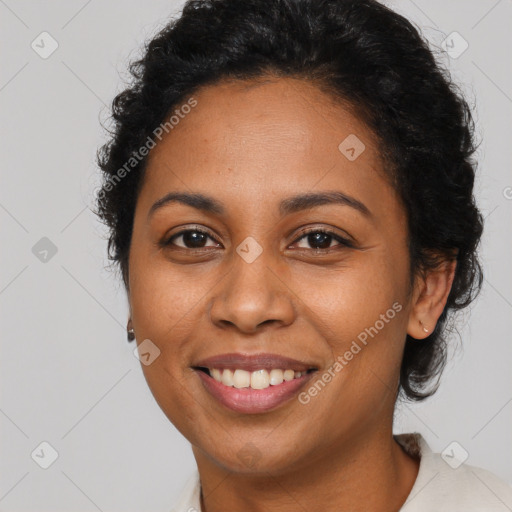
[[164, 300], [348, 300], [166, 311], [360, 312]]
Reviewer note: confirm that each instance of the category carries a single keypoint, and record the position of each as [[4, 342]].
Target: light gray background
[[68, 376]]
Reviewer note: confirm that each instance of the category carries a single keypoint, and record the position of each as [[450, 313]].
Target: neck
[[367, 473]]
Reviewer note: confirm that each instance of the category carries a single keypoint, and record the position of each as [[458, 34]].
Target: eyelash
[[342, 241]]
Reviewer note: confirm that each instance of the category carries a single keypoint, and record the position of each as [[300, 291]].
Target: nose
[[251, 296]]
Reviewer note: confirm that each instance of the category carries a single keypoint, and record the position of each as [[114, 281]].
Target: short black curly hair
[[363, 54]]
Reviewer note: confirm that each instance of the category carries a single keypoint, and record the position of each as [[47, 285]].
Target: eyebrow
[[286, 206]]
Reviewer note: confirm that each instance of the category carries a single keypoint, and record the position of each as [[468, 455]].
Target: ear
[[430, 294]]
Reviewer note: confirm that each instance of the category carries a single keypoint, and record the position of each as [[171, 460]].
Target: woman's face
[[256, 283]]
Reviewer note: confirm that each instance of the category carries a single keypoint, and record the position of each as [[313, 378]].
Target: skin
[[249, 146]]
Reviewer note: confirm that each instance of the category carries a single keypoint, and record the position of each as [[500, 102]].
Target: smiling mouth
[[259, 379]]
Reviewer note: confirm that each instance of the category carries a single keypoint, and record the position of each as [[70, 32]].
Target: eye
[[195, 238], [318, 239], [321, 239]]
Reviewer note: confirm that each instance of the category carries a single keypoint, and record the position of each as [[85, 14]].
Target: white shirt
[[443, 484]]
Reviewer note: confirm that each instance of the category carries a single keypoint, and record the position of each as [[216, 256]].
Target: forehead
[[250, 140]]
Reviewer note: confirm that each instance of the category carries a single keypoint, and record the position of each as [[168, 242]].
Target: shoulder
[[444, 483]]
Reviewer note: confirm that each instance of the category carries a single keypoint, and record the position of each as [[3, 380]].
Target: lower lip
[[253, 401]]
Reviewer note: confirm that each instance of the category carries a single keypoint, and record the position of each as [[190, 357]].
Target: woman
[[289, 189]]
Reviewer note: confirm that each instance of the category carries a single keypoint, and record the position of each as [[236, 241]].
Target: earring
[[424, 328], [130, 332]]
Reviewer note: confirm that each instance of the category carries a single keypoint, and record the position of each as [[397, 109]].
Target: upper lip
[[253, 362]]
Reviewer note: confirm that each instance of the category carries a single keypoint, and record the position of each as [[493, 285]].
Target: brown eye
[[319, 239], [190, 239]]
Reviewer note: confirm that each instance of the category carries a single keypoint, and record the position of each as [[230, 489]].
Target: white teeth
[[289, 375], [276, 377], [259, 379], [227, 377], [241, 379]]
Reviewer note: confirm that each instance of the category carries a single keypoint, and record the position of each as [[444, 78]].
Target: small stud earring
[[130, 332], [424, 328]]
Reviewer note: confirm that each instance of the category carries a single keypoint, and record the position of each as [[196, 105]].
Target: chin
[[252, 457]]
